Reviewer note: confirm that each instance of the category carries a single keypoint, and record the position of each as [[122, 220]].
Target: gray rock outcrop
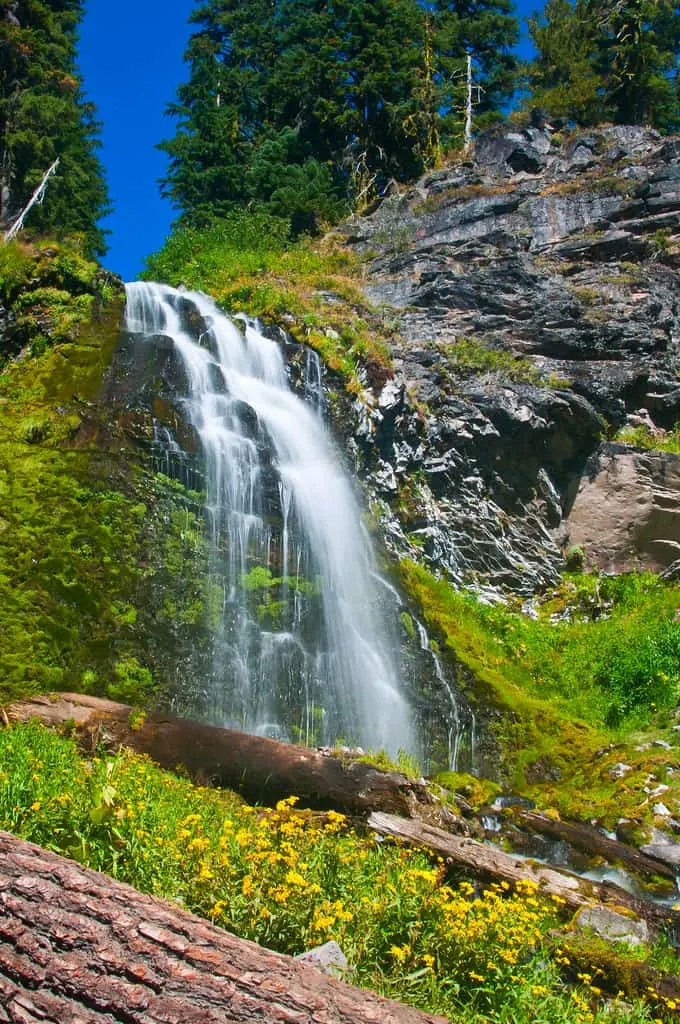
[[534, 293]]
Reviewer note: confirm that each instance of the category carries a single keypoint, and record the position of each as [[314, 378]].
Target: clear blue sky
[[131, 60]]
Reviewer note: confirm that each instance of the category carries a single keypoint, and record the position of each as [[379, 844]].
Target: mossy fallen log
[[262, 770], [486, 861], [77, 947]]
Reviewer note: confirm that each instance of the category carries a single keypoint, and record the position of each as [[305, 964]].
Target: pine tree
[[294, 105], [614, 60], [488, 30], [43, 115], [638, 60], [294, 97], [564, 79]]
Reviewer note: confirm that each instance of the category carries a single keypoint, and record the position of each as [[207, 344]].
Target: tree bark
[[262, 770], [77, 947], [488, 862], [586, 838]]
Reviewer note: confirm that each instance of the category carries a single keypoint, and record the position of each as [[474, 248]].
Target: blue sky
[[131, 61]]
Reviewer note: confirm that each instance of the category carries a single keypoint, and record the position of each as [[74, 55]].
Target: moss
[[93, 547], [478, 792], [407, 623], [513, 666], [619, 969]]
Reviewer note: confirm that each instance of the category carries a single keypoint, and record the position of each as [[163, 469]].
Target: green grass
[[247, 263], [292, 880], [576, 695], [613, 656], [471, 357], [642, 437]]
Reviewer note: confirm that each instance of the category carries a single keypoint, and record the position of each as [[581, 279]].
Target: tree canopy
[[607, 60], [43, 115], [296, 106]]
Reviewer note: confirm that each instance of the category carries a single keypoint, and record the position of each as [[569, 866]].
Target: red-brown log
[[262, 770], [77, 947]]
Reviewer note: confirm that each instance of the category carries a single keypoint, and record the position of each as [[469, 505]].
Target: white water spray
[[301, 651]]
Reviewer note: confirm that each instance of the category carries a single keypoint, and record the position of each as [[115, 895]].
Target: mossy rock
[[93, 545]]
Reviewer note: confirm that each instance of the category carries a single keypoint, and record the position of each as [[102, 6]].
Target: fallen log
[[590, 840], [262, 770], [77, 947], [488, 862]]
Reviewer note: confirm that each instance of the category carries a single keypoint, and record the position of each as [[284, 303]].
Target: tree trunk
[[587, 838], [488, 862], [79, 948], [262, 770]]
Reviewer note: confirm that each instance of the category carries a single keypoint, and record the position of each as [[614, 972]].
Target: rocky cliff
[[532, 290]]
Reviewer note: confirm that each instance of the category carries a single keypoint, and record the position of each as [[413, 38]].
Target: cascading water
[[301, 651]]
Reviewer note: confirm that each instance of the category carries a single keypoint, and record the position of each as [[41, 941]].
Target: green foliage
[[132, 683], [472, 357], [574, 558], [642, 437], [53, 291], [407, 623], [246, 262], [477, 792], [603, 654], [259, 578], [43, 115], [289, 881], [295, 107], [404, 762], [613, 653], [614, 61]]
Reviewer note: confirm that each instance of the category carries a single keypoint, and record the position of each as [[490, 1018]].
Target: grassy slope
[[577, 696]]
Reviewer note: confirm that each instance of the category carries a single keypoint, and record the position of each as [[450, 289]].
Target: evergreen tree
[[293, 105], [43, 115], [488, 30], [325, 88], [638, 60], [564, 78], [614, 60]]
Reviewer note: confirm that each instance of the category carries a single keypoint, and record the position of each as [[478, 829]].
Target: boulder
[[611, 925], [626, 510]]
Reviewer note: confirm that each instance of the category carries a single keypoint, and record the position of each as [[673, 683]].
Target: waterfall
[[301, 651]]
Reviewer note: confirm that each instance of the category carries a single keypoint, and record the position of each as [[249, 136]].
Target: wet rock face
[[552, 264]]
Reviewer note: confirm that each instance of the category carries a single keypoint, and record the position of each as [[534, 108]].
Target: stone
[[547, 254], [626, 511], [663, 847], [328, 958], [612, 926], [619, 770]]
